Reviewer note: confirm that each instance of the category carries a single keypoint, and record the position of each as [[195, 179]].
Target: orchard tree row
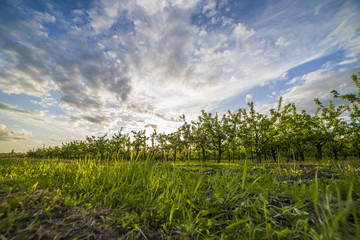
[[285, 132]]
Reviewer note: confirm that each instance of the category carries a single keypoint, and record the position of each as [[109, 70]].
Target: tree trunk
[[302, 157], [229, 154], [273, 155], [189, 154], [203, 153], [288, 155], [219, 156], [297, 156], [219, 146], [336, 155], [175, 156], [258, 157], [318, 152]]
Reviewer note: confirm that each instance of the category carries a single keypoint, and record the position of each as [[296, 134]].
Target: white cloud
[[167, 62], [211, 4], [284, 76], [104, 15], [248, 98], [10, 108], [44, 17], [346, 34], [13, 135], [210, 10], [46, 102], [295, 80], [348, 61], [318, 84], [241, 33], [156, 6], [281, 42]]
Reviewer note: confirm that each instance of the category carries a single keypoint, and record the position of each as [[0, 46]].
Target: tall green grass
[[241, 201]]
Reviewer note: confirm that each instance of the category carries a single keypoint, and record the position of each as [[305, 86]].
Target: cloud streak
[[10, 108], [13, 135]]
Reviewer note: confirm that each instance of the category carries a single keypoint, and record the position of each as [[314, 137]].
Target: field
[[53, 199]]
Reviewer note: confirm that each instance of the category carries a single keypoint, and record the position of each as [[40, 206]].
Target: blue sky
[[69, 69]]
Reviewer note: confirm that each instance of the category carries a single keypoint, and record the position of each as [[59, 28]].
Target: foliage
[[245, 133], [145, 200]]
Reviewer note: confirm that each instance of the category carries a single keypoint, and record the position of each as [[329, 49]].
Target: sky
[[71, 69]]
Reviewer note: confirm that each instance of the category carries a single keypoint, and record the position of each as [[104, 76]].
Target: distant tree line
[[284, 132]]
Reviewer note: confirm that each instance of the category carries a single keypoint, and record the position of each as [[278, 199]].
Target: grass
[[50, 199]]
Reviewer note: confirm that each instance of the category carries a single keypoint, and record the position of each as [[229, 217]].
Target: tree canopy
[[244, 133]]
